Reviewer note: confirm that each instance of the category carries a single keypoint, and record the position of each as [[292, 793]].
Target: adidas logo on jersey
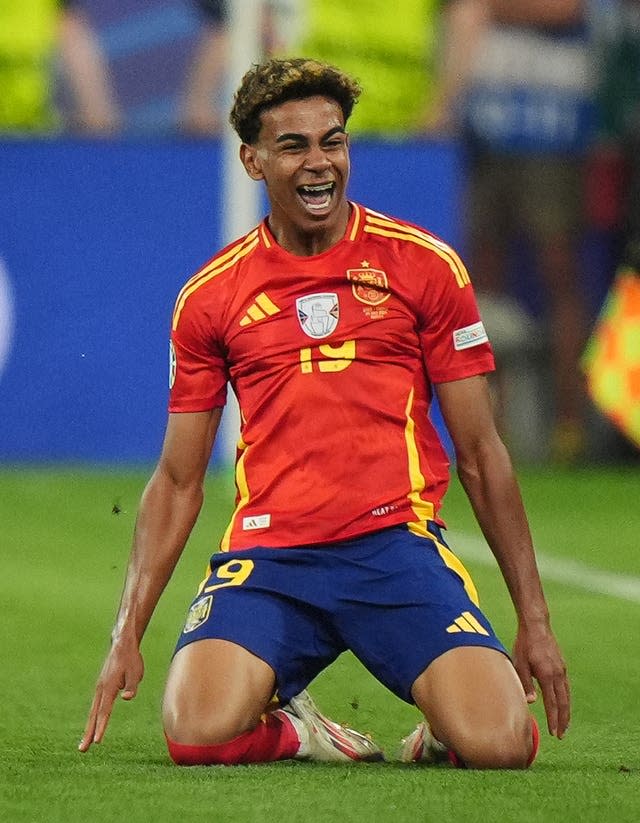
[[466, 623], [261, 307]]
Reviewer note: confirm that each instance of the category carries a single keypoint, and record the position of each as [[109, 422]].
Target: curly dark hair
[[279, 80]]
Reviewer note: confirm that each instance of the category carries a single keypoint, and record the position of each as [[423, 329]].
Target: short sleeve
[[198, 371], [453, 338]]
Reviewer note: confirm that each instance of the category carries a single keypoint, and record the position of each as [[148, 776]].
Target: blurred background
[[509, 129]]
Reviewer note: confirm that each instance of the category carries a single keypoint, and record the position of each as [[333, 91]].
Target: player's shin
[[274, 738]]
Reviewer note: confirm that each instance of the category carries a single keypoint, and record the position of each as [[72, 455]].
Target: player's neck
[[304, 242]]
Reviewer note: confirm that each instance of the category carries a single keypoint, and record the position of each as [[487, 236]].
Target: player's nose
[[317, 159]]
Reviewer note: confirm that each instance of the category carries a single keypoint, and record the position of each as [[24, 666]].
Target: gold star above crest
[[365, 264]]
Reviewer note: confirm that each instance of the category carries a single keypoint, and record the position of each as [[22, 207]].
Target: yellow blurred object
[[568, 443], [390, 50], [27, 37], [611, 361]]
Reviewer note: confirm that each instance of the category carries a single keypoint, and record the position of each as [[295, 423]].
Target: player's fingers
[[129, 691], [526, 678], [563, 700], [87, 738], [551, 710], [102, 720], [132, 677], [557, 699], [89, 730], [554, 699]]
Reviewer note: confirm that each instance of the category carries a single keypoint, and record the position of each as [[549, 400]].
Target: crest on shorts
[[369, 286], [318, 314], [198, 614]]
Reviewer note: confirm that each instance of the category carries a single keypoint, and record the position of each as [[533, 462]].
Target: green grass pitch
[[65, 537]]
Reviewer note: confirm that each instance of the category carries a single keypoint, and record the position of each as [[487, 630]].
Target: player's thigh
[[215, 691], [411, 602], [248, 633], [471, 695]]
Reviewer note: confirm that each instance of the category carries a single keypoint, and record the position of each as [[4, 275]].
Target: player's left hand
[[536, 655]]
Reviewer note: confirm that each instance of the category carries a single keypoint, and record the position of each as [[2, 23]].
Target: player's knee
[[497, 748], [190, 724]]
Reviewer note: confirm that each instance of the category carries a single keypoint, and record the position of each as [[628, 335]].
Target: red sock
[[274, 738], [455, 760], [535, 742], [535, 745]]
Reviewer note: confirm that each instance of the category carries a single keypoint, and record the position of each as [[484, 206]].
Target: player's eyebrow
[[291, 135]]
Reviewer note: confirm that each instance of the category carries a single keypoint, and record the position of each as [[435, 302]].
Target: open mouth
[[317, 197]]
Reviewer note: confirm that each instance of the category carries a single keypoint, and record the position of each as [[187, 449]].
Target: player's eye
[[292, 147]]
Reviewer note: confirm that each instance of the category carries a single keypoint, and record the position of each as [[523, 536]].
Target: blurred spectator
[[206, 78], [32, 33], [614, 179], [525, 109], [206, 81], [387, 48]]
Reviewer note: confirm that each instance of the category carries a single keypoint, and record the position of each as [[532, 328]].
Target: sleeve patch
[[172, 364], [469, 336]]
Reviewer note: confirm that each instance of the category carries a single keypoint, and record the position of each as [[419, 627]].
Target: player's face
[[302, 154]]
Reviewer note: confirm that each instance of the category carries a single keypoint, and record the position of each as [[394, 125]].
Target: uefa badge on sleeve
[[172, 364]]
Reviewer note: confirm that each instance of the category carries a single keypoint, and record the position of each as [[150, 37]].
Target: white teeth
[[320, 187], [317, 197]]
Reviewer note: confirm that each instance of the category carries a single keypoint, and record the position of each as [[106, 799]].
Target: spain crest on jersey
[[318, 314], [369, 286]]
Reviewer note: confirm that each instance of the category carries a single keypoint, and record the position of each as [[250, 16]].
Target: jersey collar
[[352, 233]]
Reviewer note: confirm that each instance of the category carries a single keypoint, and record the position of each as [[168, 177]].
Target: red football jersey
[[332, 358]]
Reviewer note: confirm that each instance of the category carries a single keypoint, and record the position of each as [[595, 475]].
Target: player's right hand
[[122, 671]]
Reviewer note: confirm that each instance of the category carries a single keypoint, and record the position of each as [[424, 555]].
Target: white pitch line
[[569, 572]]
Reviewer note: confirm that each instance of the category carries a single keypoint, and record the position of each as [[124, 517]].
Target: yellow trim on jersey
[[217, 266], [356, 222], [243, 489], [382, 220], [389, 228], [264, 236], [217, 260], [450, 560], [422, 509]]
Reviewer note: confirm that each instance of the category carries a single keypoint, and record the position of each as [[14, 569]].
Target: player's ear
[[251, 161]]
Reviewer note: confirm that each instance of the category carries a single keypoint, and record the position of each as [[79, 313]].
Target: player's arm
[[487, 475], [205, 78], [537, 12], [168, 510], [463, 24], [86, 71]]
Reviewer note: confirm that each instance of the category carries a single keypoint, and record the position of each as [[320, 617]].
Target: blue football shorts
[[397, 598]]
